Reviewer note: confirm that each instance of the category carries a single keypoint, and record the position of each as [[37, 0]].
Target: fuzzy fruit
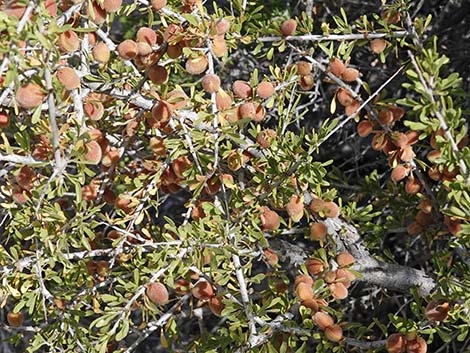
[[15, 319], [69, 78], [270, 220], [288, 27], [304, 291], [311, 304], [242, 89], [396, 343], [203, 290], [68, 41], [331, 209], [314, 266], [196, 66], [265, 90], [4, 120], [336, 67], [216, 305], [303, 68], [210, 83], [344, 97], [93, 152], [127, 49], [247, 110], [338, 290], [412, 186], [93, 110], [157, 293], [307, 82], [271, 257], [437, 310], [158, 74], [378, 45], [364, 128], [219, 46], [223, 100], [265, 138], [303, 279], [323, 320], [96, 13], [29, 96], [295, 208], [334, 333], [350, 74], [146, 35], [112, 5], [101, 53], [318, 231], [345, 259], [399, 173], [158, 4], [418, 345]]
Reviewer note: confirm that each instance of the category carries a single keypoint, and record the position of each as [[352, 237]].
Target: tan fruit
[[68, 42], [157, 293], [318, 231], [413, 137], [386, 116], [407, 154], [304, 291], [344, 97], [93, 110], [101, 53], [157, 145], [222, 26], [110, 157], [69, 78], [203, 290], [265, 138], [51, 7], [314, 266], [378, 45], [338, 290], [364, 128], [219, 46], [303, 68], [295, 208], [13, 9], [345, 277], [414, 228], [146, 35], [111, 6], [127, 49], [223, 100], [303, 279], [379, 141], [161, 113], [216, 305], [331, 209], [271, 257], [247, 110], [316, 205], [323, 320], [4, 120], [270, 220], [307, 82], [330, 276], [265, 90], [210, 83], [158, 4], [29, 96], [15, 319], [25, 177], [396, 343], [177, 99], [96, 13], [260, 112], [350, 74], [399, 139], [143, 50], [93, 152], [158, 74], [242, 89], [182, 286], [345, 259], [418, 345], [196, 66], [20, 195], [311, 304], [453, 225], [123, 202], [288, 27], [399, 173], [412, 186], [334, 333], [437, 310], [391, 16], [336, 67], [92, 37], [181, 165], [353, 108]]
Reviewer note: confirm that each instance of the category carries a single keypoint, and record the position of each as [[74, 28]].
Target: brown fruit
[[112, 5], [330, 276], [391, 16], [331, 209], [270, 220], [93, 152], [399, 139], [345, 277], [101, 53], [314, 266], [29, 96], [407, 154], [334, 333], [386, 116], [418, 345], [364, 128], [15, 319], [210, 83], [414, 228], [68, 41], [265, 138], [158, 4], [51, 7], [399, 173], [242, 89], [437, 310], [219, 46], [158, 74], [303, 279], [102, 267], [110, 157], [69, 78], [4, 120], [323, 320], [177, 99], [222, 26], [307, 82], [223, 100], [203, 290], [345, 259], [25, 177], [93, 110], [265, 90], [344, 97], [303, 68], [182, 286], [247, 110], [425, 205], [271, 257], [288, 27], [316, 205], [336, 67], [318, 231], [146, 35], [127, 49], [216, 305], [161, 113], [157, 293], [196, 66], [304, 291], [311, 304], [378, 45], [260, 112], [396, 343], [412, 186], [295, 208], [143, 50], [16, 10], [379, 141], [350, 74], [338, 290], [96, 13], [453, 225]]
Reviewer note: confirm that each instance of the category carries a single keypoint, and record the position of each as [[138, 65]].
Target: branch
[[338, 37]]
